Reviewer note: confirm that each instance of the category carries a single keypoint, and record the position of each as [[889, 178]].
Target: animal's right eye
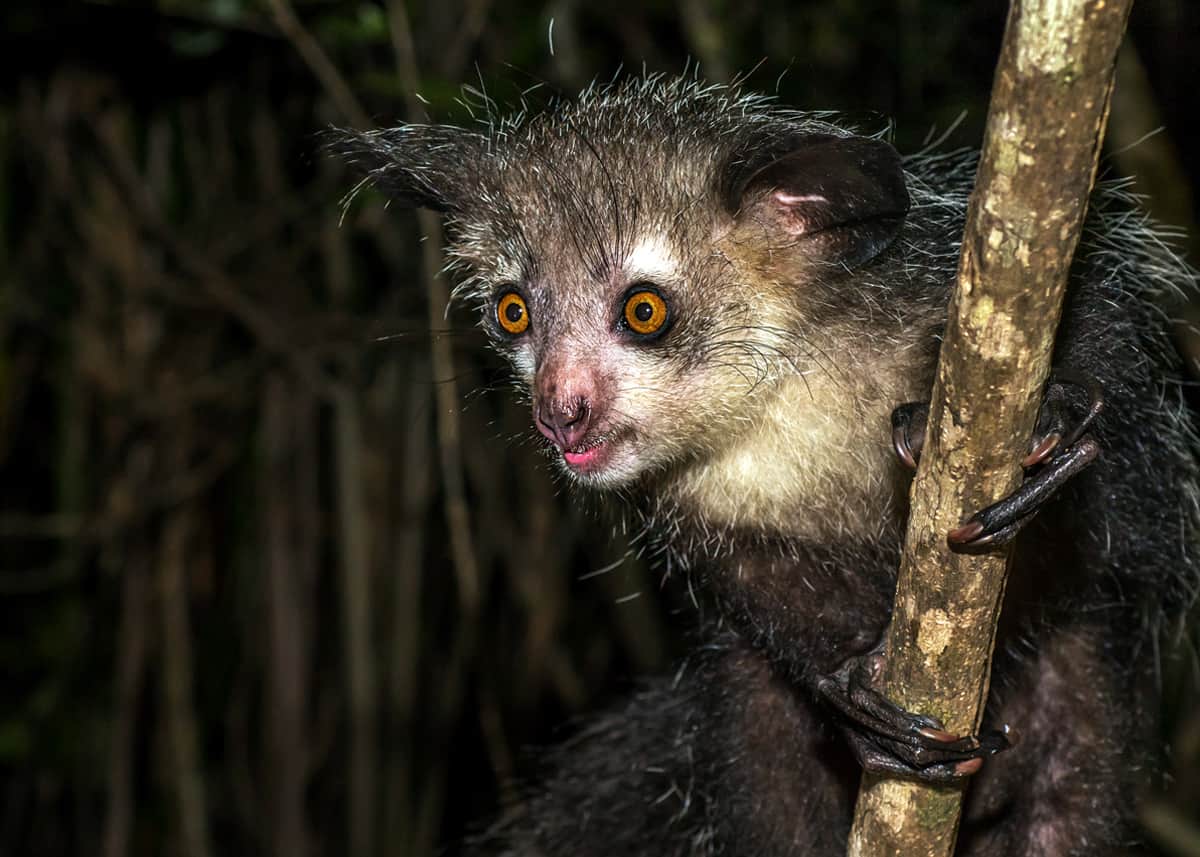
[[645, 311], [511, 313]]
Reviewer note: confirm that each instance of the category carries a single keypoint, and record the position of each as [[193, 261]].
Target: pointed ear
[[838, 199], [419, 166]]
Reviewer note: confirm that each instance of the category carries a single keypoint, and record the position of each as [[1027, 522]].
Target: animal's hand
[[887, 739], [1059, 450]]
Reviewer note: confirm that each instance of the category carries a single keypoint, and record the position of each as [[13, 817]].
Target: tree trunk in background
[[290, 545], [358, 589], [186, 772], [130, 678]]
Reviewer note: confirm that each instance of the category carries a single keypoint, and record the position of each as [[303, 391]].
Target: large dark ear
[[839, 199], [420, 166]]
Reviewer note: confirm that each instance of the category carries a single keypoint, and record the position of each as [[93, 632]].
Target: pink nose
[[564, 421], [568, 399]]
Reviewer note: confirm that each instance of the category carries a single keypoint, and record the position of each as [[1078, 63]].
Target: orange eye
[[512, 314], [645, 312]]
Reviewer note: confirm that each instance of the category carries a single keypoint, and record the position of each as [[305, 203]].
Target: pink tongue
[[581, 457]]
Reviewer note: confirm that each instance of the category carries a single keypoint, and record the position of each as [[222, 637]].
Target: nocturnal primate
[[730, 312]]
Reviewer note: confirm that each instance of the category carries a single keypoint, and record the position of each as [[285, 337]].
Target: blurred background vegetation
[[274, 576]]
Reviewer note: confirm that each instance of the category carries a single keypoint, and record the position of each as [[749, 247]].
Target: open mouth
[[591, 455], [584, 457]]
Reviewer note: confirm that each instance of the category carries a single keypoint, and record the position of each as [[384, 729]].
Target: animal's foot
[[886, 739], [1059, 450]]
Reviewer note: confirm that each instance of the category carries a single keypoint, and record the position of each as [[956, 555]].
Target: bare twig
[[214, 281], [473, 21], [318, 61], [1175, 833]]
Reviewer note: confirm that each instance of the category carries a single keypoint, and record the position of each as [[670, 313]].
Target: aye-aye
[[730, 312]]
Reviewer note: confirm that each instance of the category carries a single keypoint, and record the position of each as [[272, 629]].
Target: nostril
[[547, 421], [565, 423], [580, 412]]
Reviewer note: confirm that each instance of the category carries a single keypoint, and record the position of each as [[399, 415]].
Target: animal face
[[644, 364], [652, 259]]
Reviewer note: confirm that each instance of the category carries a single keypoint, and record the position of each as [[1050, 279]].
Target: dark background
[[258, 593]]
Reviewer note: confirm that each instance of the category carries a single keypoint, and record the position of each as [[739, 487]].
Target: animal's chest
[[805, 606]]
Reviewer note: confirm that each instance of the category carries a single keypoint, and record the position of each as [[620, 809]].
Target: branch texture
[[1046, 119]]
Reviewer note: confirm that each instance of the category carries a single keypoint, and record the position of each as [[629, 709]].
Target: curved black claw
[[1058, 454], [1051, 433], [908, 431], [1000, 522], [1057, 427], [1060, 449], [887, 739]]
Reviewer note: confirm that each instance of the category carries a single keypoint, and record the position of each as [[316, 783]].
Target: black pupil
[[513, 312], [643, 312]]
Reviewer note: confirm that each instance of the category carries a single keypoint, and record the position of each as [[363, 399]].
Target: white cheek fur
[[524, 364], [812, 439]]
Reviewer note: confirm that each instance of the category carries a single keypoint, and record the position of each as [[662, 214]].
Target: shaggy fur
[[754, 435]]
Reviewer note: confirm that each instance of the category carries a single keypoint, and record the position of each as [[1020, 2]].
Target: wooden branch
[[1049, 106]]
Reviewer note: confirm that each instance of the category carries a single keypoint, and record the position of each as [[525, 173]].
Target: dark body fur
[[734, 754]]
